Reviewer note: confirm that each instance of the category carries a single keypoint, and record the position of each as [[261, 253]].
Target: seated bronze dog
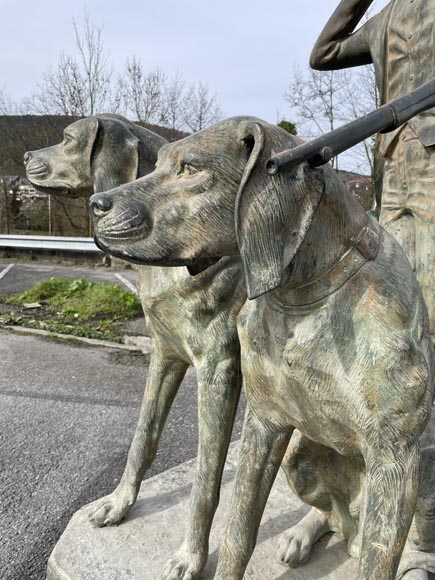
[[336, 342], [192, 321]]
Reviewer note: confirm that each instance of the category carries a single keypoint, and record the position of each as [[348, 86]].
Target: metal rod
[[390, 116]]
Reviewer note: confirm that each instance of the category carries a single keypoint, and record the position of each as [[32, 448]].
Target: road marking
[[127, 283], [6, 270]]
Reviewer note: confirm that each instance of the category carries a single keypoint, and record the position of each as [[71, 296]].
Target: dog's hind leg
[[392, 482], [261, 451], [219, 385], [329, 482], [164, 378]]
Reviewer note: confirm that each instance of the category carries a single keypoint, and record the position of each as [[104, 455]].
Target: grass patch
[[75, 307]]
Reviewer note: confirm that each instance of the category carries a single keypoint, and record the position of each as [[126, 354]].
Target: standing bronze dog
[[192, 322], [336, 343]]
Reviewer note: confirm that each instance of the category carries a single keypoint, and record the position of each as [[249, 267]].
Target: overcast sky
[[245, 50]]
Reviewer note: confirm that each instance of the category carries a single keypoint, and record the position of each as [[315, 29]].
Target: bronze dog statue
[[192, 321], [336, 342], [96, 153]]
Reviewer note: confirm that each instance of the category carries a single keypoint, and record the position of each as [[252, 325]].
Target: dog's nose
[[27, 157], [101, 203]]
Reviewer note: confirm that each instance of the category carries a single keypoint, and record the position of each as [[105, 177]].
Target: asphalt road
[[67, 416]]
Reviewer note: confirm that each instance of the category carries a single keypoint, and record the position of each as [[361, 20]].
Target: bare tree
[[360, 96], [142, 93], [317, 98], [324, 100], [174, 104], [201, 108], [117, 99], [6, 106], [79, 85], [93, 60]]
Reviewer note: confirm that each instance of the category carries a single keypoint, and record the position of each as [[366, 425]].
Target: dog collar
[[364, 248]]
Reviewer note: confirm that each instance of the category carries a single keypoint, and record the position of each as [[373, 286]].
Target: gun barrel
[[320, 150]]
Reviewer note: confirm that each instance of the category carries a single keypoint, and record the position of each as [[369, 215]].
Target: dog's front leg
[[392, 488], [261, 451], [164, 378], [219, 385]]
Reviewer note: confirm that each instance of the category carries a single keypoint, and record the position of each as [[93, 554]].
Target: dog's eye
[[189, 169], [67, 139]]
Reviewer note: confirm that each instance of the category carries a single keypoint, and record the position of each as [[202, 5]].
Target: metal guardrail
[[61, 243]]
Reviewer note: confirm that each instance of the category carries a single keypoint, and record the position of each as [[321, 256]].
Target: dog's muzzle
[[35, 167], [115, 224]]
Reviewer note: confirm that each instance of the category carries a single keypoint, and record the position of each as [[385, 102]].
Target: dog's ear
[[87, 136], [273, 212], [115, 155]]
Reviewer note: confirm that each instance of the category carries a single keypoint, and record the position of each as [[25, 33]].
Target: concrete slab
[[139, 548]]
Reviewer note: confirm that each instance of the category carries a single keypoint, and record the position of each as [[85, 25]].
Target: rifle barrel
[[390, 116]]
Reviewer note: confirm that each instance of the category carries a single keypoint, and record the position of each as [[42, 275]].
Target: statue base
[[140, 546]]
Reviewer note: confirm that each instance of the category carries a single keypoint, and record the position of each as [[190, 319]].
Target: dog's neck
[[338, 221]]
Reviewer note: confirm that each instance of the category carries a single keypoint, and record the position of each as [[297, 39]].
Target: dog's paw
[[185, 565], [110, 510], [295, 545], [294, 548]]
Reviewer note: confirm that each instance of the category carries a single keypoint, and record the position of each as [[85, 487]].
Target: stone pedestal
[[139, 548], [154, 529]]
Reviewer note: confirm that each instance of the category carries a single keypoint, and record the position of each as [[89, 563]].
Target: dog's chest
[[297, 372], [193, 317]]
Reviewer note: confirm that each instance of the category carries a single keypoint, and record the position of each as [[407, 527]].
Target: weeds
[[76, 307]]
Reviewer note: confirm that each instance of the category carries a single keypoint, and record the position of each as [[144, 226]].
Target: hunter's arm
[[338, 46]]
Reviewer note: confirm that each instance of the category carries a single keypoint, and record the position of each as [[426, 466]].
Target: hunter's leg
[[425, 263]]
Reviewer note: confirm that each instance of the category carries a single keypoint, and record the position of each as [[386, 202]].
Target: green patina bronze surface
[[400, 42], [335, 342]]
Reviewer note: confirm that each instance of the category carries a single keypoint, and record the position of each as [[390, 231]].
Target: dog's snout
[[27, 157], [101, 203]]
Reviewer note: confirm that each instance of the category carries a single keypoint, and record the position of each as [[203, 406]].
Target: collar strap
[[365, 247]]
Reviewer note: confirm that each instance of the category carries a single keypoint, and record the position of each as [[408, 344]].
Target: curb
[[146, 348]]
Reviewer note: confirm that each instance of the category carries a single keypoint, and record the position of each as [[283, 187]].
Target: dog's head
[[96, 154], [210, 196]]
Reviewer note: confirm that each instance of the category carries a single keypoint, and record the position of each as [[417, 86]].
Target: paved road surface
[[67, 415]]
